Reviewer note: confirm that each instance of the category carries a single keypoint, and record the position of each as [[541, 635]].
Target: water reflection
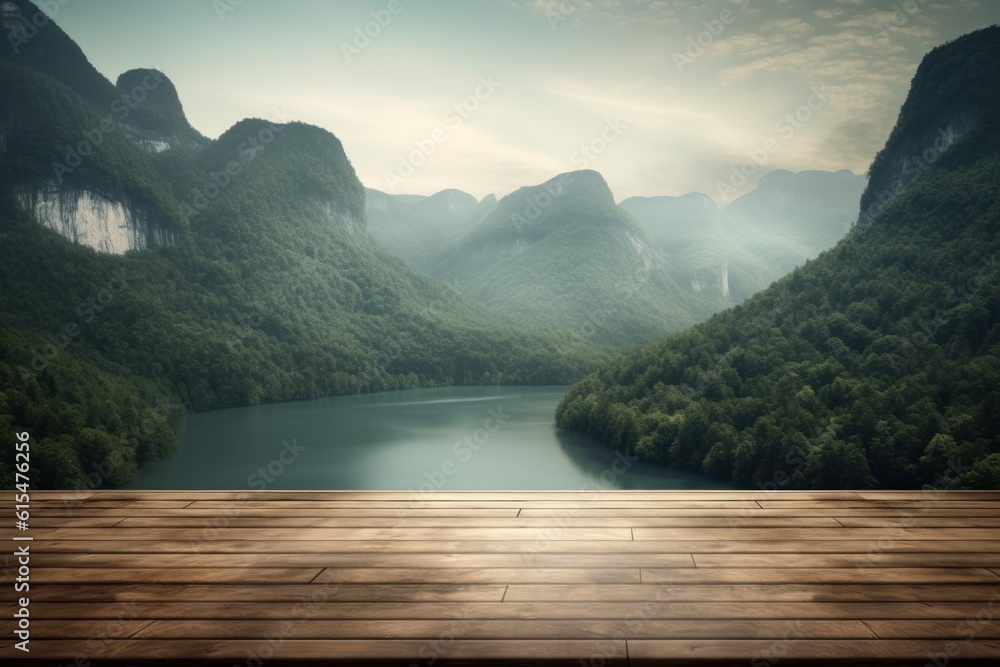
[[446, 438]]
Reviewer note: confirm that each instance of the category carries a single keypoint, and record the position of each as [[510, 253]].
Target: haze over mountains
[[877, 364], [566, 254], [148, 269]]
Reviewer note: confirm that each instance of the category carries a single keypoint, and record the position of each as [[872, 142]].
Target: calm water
[[450, 438]]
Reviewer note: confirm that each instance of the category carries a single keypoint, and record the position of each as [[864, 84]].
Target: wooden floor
[[580, 578]]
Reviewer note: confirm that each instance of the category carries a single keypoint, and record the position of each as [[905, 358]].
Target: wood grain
[[509, 577]]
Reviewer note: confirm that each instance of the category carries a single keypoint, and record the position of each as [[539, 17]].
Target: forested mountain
[[415, 228], [877, 364], [218, 273], [564, 253]]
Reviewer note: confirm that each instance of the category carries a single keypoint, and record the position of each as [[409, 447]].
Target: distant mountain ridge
[[415, 228], [677, 260], [565, 254]]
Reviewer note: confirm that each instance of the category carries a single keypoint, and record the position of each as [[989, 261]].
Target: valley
[[822, 330]]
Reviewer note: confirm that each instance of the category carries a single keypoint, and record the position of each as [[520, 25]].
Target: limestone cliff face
[[913, 153], [341, 216], [93, 220]]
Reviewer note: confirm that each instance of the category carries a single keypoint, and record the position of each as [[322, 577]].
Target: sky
[[663, 97]]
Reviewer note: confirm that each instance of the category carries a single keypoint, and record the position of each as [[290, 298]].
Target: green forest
[[270, 292]]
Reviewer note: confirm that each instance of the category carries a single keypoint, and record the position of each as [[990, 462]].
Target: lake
[[453, 438]]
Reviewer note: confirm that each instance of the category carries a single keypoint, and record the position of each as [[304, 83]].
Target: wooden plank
[[611, 653], [405, 560], [568, 504], [277, 592], [43, 505], [895, 575], [42, 520], [755, 592], [94, 631], [929, 495], [771, 534], [911, 653], [320, 610], [912, 505], [981, 624], [337, 592], [71, 575], [897, 513], [202, 542], [921, 522], [356, 512], [279, 521], [428, 575], [792, 561], [470, 628], [360, 534], [690, 571]]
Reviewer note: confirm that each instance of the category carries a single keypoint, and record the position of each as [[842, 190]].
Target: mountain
[[564, 254], [141, 281], [143, 102], [77, 172], [415, 228], [790, 217], [159, 122], [877, 364], [51, 51], [728, 255]]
